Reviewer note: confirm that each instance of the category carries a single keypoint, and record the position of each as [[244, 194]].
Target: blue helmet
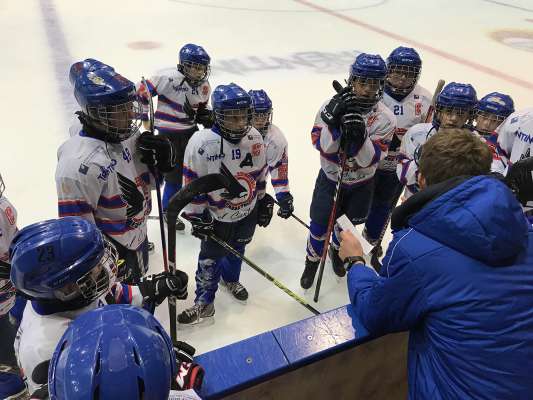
[[491, 110], [113, 352], [194, 63], [367, 77], [404, 66], [459, 98], [66, 259], [232, 107], [107, 99], [261, 109]]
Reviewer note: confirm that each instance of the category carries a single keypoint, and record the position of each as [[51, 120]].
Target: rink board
[[326, 356]]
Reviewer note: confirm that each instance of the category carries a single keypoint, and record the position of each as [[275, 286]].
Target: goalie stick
[[269, 277], [377, 251]]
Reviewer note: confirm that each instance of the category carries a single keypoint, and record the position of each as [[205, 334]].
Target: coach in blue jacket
[[458, 275]]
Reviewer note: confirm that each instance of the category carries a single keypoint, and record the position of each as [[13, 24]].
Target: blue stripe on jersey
[[189, 173], [171, 118], [116, 227], [331, 157], [73, 208], [218, 204], [280, 182], [111, 202], [172, 130], [172, 104]]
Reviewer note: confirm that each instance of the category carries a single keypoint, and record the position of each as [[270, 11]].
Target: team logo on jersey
[[247, 182], [83, 169], [10, 215], [371, 119], [105, 171], [132, 197], [418, 109], [205, 90], [256, 149], [180, 88]]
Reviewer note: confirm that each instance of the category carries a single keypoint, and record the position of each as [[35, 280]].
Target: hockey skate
[[336, 262], [306, 281], [151, 247], [197, 314], [236, 289]]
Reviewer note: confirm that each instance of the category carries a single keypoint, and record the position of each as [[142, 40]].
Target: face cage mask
[[189, 68], [261, 121], [408, 72], [2, 186], [119, 121], [7, 296], [91, 286], [234, 134], [365, 103], [461, 111], [493, 118]]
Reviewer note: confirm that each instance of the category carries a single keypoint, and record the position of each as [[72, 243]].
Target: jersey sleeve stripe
[[73, 208]]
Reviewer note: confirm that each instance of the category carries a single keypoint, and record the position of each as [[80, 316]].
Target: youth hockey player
[[102, 173], [409, 102], [151, 368], [515, 135], [491, 111], [68, 267], [357, 123], [182, 97], [454, 108], [11, 384], [234, 144]]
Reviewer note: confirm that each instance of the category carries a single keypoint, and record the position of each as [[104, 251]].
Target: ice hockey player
[[491, 111], [357, 123], [67, 267], [11, 384], [103, 170], [409, 102], [182, 97], [276, 147], [234, 144], [151, 368], [454, 108], [515, 135]]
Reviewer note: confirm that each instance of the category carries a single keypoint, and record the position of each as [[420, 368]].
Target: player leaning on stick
[[354, 125]]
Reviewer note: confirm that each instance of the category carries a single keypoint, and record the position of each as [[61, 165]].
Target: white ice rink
[[292, 49]]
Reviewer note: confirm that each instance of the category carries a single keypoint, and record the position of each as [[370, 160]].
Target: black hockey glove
[[353, 128], [286, 207], [156, 288], [190, 375], [202, 226], [519, 178], [265, 210], [340, 104], [157, 151], [205, 116]]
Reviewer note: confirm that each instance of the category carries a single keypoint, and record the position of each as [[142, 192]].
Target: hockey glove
[[353, 130], [265, 210], [202, 225], [340, 104], [205, 116], [286, 207], [190, 375], [156, 288], [189, 110], [157, 151], [519, 178]]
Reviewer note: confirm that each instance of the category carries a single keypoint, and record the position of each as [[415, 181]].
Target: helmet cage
[[7, 295], [459, 111], [261, 120], [226, 120], [96, 282], [365, 103], [491, 118], [407, 72], [194, 72], [119, 121]]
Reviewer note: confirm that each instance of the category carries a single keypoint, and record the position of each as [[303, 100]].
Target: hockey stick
[[377, 251], [157, 180], [269, 277], [331, 221], [294, 216], [178, 201]]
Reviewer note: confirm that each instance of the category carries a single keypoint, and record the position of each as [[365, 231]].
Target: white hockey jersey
[[246, 161], [8, 229], [277, 159], [171, 89], [361, 167], [515, 136], [38, 333], [107, 184], [410, 111]]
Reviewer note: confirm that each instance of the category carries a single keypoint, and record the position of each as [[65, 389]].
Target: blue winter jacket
[[459, 277]]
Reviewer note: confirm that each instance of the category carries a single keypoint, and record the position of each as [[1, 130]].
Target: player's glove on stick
[[202, 225], [156, 288], [157, 151], [286, 206], [205, 116], [340, 104], [265, 210], [520, 179], [353, 130], [190, 375]]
